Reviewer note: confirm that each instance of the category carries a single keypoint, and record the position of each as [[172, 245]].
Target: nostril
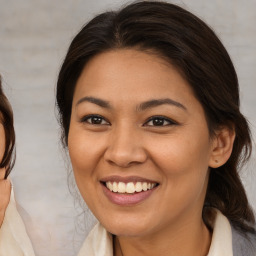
[[125, 154]]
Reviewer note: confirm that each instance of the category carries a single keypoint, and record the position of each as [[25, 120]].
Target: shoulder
[[243, 244], [13, 236]]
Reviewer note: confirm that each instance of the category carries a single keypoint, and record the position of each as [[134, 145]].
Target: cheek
[[183, 160], [85, 151], [82, 163], [180, 153], [80, 155], [2, 141], [2, 148], [183, 164]]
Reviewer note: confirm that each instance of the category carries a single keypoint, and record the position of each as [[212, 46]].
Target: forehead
[[131, 72]]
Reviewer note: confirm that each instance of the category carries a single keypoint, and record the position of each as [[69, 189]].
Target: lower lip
[[127, 199]]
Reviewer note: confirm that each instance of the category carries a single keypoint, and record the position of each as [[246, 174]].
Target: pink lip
[[127, 199]]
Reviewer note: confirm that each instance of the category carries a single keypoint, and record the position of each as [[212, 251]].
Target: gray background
[[34, 36]]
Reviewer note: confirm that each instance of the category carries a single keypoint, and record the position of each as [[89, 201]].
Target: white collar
[[222, 237], [13, 236], [99, 242]]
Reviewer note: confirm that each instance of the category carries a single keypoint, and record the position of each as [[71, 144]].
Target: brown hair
[[192, 47], [6, 119]]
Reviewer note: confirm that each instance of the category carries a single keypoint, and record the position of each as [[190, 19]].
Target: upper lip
[[126, 179]]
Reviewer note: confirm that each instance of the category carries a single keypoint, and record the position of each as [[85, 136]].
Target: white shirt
[[14, 240], [99, 241]]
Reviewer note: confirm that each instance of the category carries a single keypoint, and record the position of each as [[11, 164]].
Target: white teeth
[[109, 185], [130, 187], [144, 186], [121, 187], [138, 187], [115, 187]]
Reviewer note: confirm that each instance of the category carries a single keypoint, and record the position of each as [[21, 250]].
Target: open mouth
[[130, 187], [128, 191]]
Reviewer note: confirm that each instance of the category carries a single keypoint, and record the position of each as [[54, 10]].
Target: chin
[[127, 230], [126, 226]]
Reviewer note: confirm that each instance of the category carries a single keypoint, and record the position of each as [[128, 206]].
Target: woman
[[7, 140], [13, 236], [148, 103]]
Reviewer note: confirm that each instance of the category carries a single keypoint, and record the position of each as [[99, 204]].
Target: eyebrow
[[97, 101], [159, 102], [143, 106]]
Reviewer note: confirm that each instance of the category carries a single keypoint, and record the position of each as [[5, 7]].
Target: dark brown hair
[[192, 47], [6, 119]]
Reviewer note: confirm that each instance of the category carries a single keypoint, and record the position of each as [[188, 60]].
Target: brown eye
[[159, 121], [95, 120]]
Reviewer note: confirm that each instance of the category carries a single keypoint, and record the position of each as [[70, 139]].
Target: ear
[[222, 145]]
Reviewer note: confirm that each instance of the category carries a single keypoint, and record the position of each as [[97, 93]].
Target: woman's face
[[2, 148], [136, 126]]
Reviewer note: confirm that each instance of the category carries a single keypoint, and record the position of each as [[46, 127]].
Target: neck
[[191, 238]]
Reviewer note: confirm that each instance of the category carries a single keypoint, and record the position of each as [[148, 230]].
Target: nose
[[125, 148]]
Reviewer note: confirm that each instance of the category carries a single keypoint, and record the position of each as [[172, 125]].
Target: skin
[[177, 155], [5, 185]]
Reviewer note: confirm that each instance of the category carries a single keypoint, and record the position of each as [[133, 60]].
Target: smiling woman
[[131, 160], [148, 102]]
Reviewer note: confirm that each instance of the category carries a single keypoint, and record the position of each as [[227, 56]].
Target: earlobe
[[222, 147]]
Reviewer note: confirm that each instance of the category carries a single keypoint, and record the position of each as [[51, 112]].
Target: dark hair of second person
[[6, 119]]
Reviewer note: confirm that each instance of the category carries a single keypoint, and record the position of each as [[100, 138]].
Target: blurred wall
[[34, 36]]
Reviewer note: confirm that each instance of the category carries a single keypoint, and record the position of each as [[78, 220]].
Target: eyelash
[[86, 118], [164, 120]]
